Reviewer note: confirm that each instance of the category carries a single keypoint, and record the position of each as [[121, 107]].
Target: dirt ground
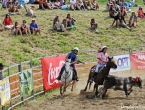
[[77, 100]]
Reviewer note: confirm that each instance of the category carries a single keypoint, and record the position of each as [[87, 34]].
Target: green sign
[[26, 82]]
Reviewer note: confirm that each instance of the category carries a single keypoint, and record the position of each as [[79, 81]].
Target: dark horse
[[100, 76]]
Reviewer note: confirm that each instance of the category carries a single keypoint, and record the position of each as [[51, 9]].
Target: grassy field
[[15, 49]]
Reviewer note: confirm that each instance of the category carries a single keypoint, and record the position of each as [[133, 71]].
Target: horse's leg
[[94, 87], [90, 85], [86, 86], [64, 89], [72, 86], [61, 89], [104, 92], [96, 93]]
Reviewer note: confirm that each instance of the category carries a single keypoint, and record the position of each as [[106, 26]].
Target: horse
[[102, 73], [67, 77]]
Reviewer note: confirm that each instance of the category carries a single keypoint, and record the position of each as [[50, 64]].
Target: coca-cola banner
[[137, 61], [51, 67]]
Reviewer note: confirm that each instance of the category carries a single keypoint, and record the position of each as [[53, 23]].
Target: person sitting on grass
[[1, 68], [73, 4], [94, 25], [8, 22], [95, 5], [49, 4], [133, 20], [112, 11], [80, 4], [43, 4], [120, 21], [87, 4], [24, 28], [34, 27], [30, 11], [109, 3], [57, 25], [70, 21], [64, 25], [16, 29], [141, 12], [12, 10], [57, 4]]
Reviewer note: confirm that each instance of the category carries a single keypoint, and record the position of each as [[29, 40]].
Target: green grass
[[16, 49]]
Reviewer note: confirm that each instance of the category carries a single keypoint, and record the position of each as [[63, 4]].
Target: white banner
[[123, 63]]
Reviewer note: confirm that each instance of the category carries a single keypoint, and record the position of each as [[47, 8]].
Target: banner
[[50, 69], [137, 61], [4, 91], [123, 63], [26, 82]]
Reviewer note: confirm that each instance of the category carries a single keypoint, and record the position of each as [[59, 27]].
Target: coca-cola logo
[[141, 57], [53, 72]]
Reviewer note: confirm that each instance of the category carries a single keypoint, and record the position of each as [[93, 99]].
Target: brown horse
[[100, 76]]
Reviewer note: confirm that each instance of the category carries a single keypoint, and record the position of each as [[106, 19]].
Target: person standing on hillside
[[74, 59]]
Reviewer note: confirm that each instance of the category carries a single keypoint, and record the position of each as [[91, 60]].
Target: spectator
[[117, 7], [109, 3], [133, 3], [80, 5], [49, 4], [21, 4], [140, 12], [30, 11], [70, 21], [56, 24], [112, 11], [12, 9], [123, 11], [8, 22], [73, 4], [95, 5], [57, 4], [94, 25], [16, 29], [87, 4], [64, 25], [120, 21], [133, 20], [1, 68], [43, 4], [5, 3], [1, 28], [34, 27], [24, 28]]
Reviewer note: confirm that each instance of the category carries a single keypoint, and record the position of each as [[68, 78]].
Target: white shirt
[[72, 1], [30, 11]]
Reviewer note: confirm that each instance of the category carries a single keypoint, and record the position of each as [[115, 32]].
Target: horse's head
[[67, 65], [111, 62]]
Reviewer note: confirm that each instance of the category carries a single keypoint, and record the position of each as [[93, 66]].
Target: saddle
[[94, 68]]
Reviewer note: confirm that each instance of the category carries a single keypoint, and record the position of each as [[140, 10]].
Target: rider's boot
[[59, 77], [77, 79], [92, 79]]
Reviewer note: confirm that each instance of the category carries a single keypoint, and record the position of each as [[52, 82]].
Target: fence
[[13, 72]]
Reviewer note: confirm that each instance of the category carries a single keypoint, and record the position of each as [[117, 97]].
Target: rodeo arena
[[24, 82], [81, 80]]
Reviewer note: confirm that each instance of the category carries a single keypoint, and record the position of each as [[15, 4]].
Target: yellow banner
[[4, 91]]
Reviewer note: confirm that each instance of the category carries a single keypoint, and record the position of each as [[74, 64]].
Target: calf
[[120, 83]]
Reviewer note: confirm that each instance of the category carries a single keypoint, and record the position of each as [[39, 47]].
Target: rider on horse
[[103, 59], [74, 59]]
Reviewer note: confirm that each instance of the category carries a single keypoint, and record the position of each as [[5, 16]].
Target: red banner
[[51, 67], [137, 61]]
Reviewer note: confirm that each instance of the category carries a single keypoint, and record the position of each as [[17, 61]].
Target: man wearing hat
[[102, 60], [1, 68], [34, 27]]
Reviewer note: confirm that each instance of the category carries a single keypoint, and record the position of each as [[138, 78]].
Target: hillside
[[15, 49]]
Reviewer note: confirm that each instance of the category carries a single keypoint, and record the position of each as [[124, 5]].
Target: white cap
[[33, 19], [76, 48], [104, 47]]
